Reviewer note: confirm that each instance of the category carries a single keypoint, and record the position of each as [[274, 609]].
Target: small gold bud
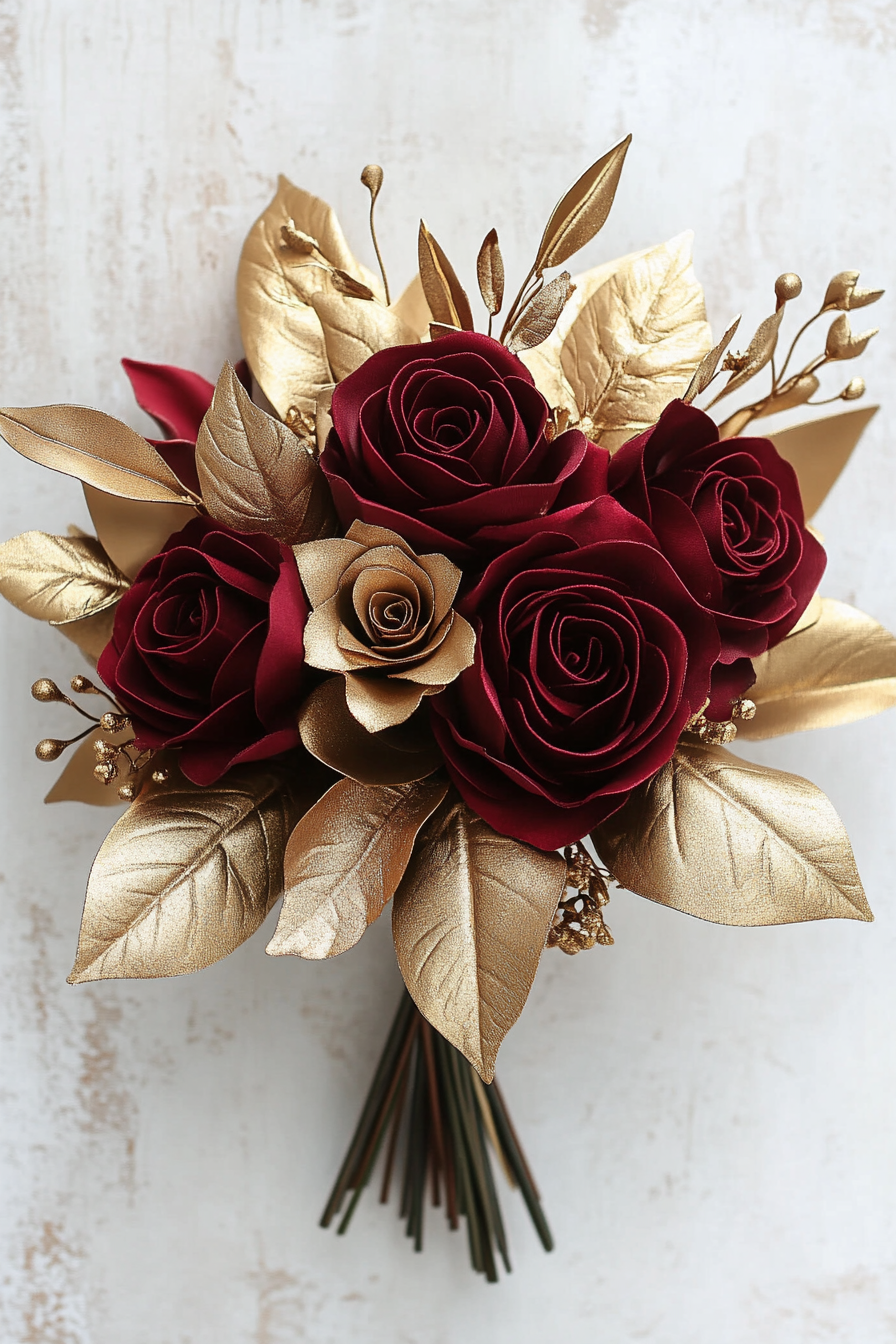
[[743, 709], [106, 772], [854, 389], [46, 691], [788, 286], [161, 776], [50, 749], [82, 685], [114, 723], [127, 793], [105, 751], [297, 240], [842, 342], [372, 179]]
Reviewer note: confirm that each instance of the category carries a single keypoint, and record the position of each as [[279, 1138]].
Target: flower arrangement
[[400, 610]]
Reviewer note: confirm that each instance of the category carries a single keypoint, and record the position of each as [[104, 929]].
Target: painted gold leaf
[[411, 307], [734, 843], [706, 369], [540, 316], [470, 921], [841, 668], [819, 450], [254, 472], [58, 579], [95, 448], [490, 273], [92, 633], [583, 211], [445, 294], [78, 784], [334, 736], [186, 875], [355, 330], [276, 283], [758, 352], [344, 862], [636, 343], [131, 531]]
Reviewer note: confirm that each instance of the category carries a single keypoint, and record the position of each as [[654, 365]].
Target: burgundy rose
[[207, 649], [589, 662], [445, 444], [729, 516]]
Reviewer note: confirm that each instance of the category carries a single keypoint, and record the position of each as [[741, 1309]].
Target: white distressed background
[[711, 1111]]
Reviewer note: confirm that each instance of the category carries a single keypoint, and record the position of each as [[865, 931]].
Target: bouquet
[[465, 620]]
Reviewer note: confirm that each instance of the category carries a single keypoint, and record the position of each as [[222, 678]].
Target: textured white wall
[[710, 1110]]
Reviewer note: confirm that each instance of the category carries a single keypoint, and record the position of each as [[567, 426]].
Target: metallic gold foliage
[[841, 668], [470, 921], [276, 284], [58, 579], [355, 330], [757, 354], [91, 634], [412, 308], [132, 531], [819, 450], [445, 294], [734, 843], [255, 474], [540, 317], [344, 862], [79, 783], [583, 211], [706, 369], [636, 343], [187, 874], [333, 734], [843, 293], [94, 447], [842, 342], [490, 273]]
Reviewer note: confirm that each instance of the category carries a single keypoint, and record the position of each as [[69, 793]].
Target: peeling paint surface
[[709, 1110]]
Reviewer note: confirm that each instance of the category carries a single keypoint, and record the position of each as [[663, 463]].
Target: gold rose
[[383, 617]]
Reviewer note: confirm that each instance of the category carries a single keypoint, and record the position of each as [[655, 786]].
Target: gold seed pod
[[842, 343], [46, 691], [50, 749], [161, 776], [105, 751], [106, 772], [114, 723], [127, 793], [788, 286], [743, 709], [82, 685], [854, 389], [372, 178]]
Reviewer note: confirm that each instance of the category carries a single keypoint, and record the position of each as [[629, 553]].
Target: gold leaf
[[334, 736], [470, 921], [445, 294], [344, 862], [354, 330], [346, 284], [583, 211], [276, 283], [820, 449], [254, 472], [94, 447], [540, 316], [810, 615], [837, 670], [58, 579], [706, 369], [413, 310], [92, 633], [758, 352], [490, 273], [734, 843], [795, 392], [131, 531], [187, 874], [635, 344]]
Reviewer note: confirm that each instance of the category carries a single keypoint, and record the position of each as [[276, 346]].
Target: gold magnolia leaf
[[334, 736], [92, 633], [540, 316], [131, 531], [445, 294], [58, 579], [344, 862], [820, 449], [470, 921], [734, 843], [583, 211], [490, 273], [94, 447], [187, 874], [413, 310], [276, 283], [706, 369], [635, 344], [254, 472], [809, 616], [355, 330], [837, 670]]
